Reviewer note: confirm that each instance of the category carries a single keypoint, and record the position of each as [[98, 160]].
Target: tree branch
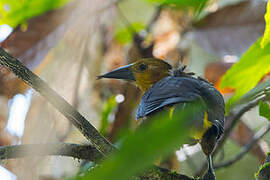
[[246, 148], [236, 114], [233, 118], [101, 148], [164, 174], [87, 152], [86, 128]]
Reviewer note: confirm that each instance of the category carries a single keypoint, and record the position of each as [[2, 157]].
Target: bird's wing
[[166, 92], [184, 91]]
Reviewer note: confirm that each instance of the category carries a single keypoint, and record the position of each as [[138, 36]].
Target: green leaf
[[148, 143], [245, 75], [195, 4], [255, 92], [266, 36], [109, 106], [14, 13], [125, 35], [264, 110]]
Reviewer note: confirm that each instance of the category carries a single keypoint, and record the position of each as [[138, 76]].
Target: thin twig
[[246, 148], [233, 118], [84, 126], [87, 152]]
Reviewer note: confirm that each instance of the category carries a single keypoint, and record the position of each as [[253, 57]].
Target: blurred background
[[68, 43]]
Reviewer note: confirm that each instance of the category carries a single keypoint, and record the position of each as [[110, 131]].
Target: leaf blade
[[14, 13], [266, 36], [148, 143], [245, 75], [264, 110]]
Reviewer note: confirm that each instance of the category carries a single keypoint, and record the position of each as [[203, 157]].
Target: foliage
[[251, 68], [266, 36], [108, 108], [245, 74], [125, 35], [14, 13], [262, 167], [255, 92], [196, 4], [264, 110], [140, 149]]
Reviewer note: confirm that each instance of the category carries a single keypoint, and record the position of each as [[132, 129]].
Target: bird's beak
[[124, 72]]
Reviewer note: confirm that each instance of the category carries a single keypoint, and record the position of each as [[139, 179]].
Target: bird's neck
[[144, 86]]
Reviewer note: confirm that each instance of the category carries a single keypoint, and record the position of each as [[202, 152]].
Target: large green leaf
[[266, 36], [14, 12], [264, 110], [254, 93], [140, 149], [245, 75]]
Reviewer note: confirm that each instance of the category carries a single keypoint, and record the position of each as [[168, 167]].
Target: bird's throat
[[144, 86]]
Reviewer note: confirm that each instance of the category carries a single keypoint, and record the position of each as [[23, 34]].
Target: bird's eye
[[143, 67]]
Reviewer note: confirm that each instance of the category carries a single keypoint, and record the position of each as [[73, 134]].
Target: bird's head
[[144, 72]]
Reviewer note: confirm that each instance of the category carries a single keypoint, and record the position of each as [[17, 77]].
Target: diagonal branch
[[101, 147], [87, 152], [84, 126], [246, 148], [233, 118]]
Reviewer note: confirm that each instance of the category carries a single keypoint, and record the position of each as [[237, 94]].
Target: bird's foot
[[210, 174]]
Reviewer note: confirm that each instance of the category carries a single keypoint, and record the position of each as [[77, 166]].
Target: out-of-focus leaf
[[264, 110], [231, 30], [109, 105], [246, 74], [32, 45], [42, 33], [266, 36], [125, 35], [197, 4], [14, 13], [148, 143]]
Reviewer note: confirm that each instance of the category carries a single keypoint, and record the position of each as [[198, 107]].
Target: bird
[[165, 87]]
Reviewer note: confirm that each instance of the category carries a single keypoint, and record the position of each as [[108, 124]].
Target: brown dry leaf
[[231, 30]]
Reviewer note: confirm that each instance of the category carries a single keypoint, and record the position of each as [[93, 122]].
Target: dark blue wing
[[173, 90], [168, 91]]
